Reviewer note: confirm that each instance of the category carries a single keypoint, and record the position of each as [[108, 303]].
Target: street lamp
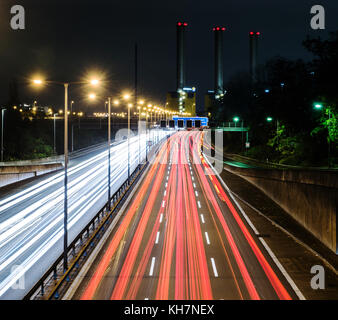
[[72, 125], [66, 86], [235, 119], [270, 119], [2, 133], [319, 106], [126, 97], [55, 133]]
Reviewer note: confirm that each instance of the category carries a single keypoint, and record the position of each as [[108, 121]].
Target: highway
[[182, 236], [31, 216]]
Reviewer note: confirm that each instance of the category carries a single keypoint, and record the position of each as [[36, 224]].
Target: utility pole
[[2, 133], [135, 96], [65, 242], [109, 141]]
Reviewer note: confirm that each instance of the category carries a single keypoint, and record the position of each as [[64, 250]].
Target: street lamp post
[[54, 134], [269, 119], [320, 106], [126, 97], [2, 133], [139, 136], [65, 240], [109, 141], [65, 217], [72, 126], [128, 143]]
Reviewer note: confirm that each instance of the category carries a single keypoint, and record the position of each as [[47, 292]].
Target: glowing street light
[[318, 106], [65, 227], [94, 82], [92, 96], [126, 96]]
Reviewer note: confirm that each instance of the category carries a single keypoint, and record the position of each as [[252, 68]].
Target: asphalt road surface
[[182, 236]]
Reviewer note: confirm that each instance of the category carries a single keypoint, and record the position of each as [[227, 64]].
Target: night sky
[[65, 39]]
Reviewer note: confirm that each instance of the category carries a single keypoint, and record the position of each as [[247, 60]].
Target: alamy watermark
[[17, 21], [318, 19], [318, 280]]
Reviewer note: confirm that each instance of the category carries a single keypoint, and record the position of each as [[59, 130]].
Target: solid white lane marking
[[207, 237], [152, 266], [284, 272], [214, 267], [196, 193], [202, 218], [163, 204], [157, 237], [199, 204], [161, 217]]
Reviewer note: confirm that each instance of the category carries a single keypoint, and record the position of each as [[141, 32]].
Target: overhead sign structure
[[190, 122]]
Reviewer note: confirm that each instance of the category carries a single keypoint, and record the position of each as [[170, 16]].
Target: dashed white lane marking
[[146, 298], [199, 204], [192, 178], [167, 177], [165, 192], [166, 184], [161, 217], [207, 237], [152, 266], [279, 265], [202, 218], [194, 185], [163, 204], [196, 193], [157, 237], [213, 267]]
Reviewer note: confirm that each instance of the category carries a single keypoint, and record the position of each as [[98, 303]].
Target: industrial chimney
[[181, 55], [219, 79], [253, 41]]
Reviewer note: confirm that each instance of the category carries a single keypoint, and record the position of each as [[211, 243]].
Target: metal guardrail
[[55, 280]]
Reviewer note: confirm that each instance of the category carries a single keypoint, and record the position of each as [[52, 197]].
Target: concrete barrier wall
[[12, 174], [310, 197]]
